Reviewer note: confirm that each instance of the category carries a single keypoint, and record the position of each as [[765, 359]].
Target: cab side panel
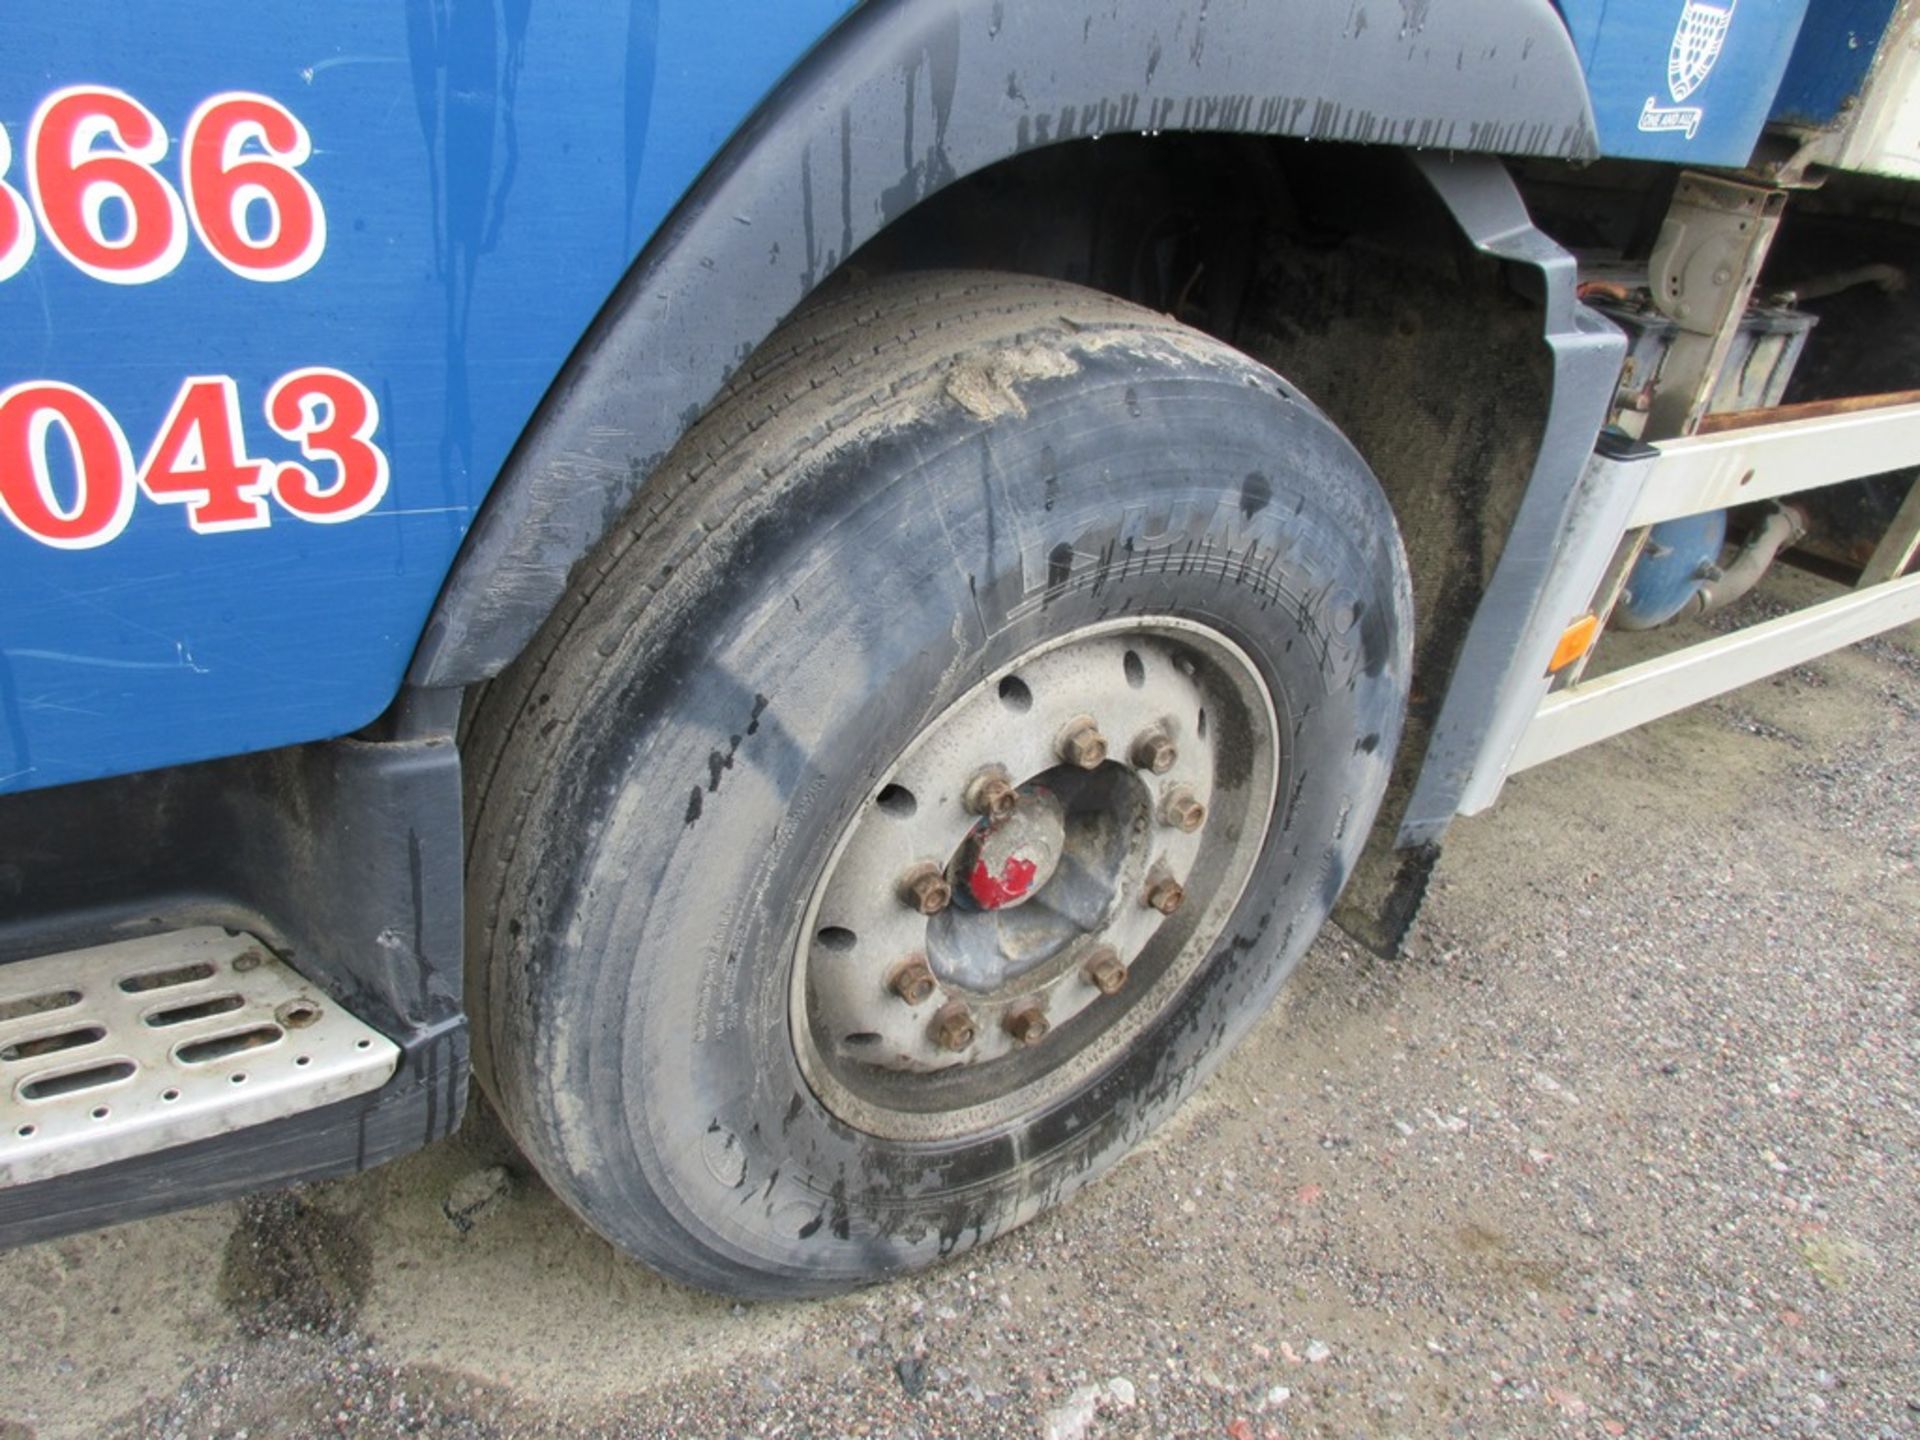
[[461, 185]]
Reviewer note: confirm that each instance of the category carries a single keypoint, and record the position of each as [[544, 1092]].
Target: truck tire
[[934, 775]]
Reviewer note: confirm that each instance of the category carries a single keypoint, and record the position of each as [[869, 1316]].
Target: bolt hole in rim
[[1023, 974]]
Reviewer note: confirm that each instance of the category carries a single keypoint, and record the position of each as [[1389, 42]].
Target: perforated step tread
[[125, 1049]]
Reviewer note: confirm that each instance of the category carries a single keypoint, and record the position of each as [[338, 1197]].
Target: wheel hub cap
[[1059, 801]]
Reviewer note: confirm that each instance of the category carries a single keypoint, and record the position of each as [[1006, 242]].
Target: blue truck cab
[[430, 435]]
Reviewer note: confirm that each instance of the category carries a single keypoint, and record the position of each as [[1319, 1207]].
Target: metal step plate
[[129, 1048]]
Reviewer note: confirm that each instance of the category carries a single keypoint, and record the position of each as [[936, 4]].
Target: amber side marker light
[[1575, 642]]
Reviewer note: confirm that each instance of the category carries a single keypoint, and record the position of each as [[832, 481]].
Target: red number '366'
[[92, 162]]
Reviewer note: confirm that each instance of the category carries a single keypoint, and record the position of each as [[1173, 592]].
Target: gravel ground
[[1626, 1145]]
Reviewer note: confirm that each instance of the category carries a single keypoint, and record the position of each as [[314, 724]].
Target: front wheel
[[918, 797]]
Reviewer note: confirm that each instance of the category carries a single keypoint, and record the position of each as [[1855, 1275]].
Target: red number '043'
[[102, 465], [252, 209], [16, 221], [107, 211], [199, 459], [333, 417]]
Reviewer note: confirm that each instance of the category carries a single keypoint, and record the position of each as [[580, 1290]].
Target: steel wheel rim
[[872, 1040]]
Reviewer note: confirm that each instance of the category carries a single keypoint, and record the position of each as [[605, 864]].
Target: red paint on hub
[[993, 891]]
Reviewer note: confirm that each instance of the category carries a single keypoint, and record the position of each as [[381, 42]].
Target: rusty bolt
[[1027, 1023], [953, 1026], [1082, 744], [926, 889], [1182, 810], [1152, 750], [991, 794], [1166, 896], [1104, 971], [912, 979], [297, 1014]]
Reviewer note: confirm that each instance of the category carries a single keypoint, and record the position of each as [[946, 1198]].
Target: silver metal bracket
[[1708, 254], [1714, 239]]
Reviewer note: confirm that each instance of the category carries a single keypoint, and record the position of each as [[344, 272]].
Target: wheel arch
[[902, 100]]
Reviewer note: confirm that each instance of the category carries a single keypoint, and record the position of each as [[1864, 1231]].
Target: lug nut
[[1153, 750], [953, 1026], [991, 794], [1104, 971], [926, 889], [1082, 744], [1027, 1023], [912, 979], [1182, 810], [1166, 896]]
